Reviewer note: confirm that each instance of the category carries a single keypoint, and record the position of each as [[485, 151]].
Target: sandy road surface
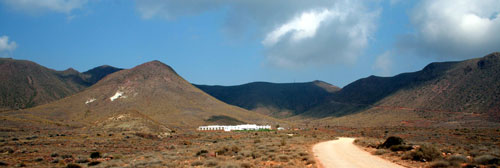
[[343, 153]]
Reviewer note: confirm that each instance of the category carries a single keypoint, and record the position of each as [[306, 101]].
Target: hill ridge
[[274, 99], [151, 89], [27, 84], [442, 93]]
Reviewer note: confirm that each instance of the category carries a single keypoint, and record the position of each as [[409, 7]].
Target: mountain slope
[[95, 74], [149, 93], [277, 100], [441, 93], [26, 84]]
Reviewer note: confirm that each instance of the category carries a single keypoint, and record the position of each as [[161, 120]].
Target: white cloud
[[454, 29], [303, 26], [37, 6], [294, 33], [383, 64], [6, 46], [338, 34]]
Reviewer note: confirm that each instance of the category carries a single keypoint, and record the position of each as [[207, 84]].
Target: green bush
[[283, 142], [380, 152], [458, 159], [235, 149], [72, 165], [94, 155], [211, 163], [256, 155], [93, 163], [66, 156], [439, 164], [256, 141], [197, 163], [486, 160], [82, 160], [54, 155], [391, 141], [401, 148], [283, 158], [6, 150], [228, 151], [424, 153], [202, 153], [186, 143]]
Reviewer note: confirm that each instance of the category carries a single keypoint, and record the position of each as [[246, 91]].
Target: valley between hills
[[447, 114]]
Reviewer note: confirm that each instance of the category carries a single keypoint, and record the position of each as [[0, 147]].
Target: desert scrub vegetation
[[434, 147], [423, 153], [183, 149], [487, 160]]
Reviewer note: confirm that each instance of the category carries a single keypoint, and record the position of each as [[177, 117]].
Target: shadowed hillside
[[277, 100], [97, 73], [441, 93], [26, 84]]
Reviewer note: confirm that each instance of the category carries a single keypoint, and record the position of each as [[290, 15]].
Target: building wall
[[233, 127]]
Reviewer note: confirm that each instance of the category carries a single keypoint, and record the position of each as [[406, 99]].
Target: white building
[[233, 127]]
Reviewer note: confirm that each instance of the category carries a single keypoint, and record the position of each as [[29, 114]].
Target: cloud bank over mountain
[[453, 29], [294, 33], [6, 46]]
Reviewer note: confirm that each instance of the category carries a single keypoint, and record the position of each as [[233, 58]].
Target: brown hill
[[149, 94], [95, 74], [447, 93], [274, 99], [26, 84]]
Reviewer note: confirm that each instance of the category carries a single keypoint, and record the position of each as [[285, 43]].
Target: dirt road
[[343, 153]]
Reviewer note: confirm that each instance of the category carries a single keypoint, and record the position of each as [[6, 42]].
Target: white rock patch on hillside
[[117, 95], [90, 100]]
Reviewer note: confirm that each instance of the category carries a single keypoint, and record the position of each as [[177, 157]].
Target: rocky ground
[[74, 148]]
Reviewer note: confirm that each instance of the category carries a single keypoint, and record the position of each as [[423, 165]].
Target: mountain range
[[445, 93], [152, 96], [277, 100]]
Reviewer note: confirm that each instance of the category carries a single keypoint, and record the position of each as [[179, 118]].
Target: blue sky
[[224, 42]]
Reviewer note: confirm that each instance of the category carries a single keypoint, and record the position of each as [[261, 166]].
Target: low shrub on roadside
[[367, 142], [457, 158], [487, 160], [380, 152], [395, 148], [391, 141], [440, 164], [424, 153]]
